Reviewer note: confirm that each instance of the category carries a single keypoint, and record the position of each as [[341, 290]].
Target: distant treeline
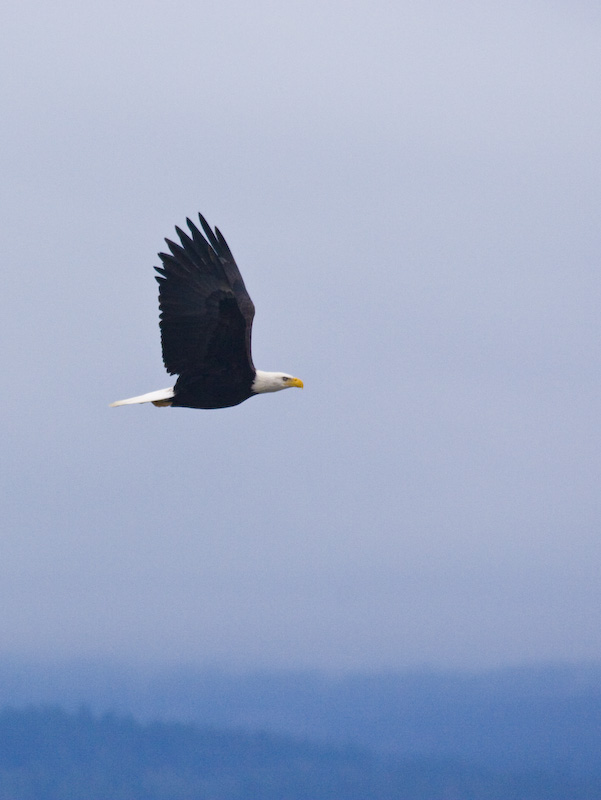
[[509, 721], [49, 754]]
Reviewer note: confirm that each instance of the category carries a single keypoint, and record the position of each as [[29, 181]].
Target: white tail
[[160, 398]]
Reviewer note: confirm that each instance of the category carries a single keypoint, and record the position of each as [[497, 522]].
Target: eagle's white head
[[273, 382]]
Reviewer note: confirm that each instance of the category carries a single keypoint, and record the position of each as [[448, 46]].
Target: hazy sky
[[413, 193]]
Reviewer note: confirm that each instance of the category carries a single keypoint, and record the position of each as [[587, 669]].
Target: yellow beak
[[296, 382]]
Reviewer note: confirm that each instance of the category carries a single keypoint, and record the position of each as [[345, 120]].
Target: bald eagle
[[206, 320]]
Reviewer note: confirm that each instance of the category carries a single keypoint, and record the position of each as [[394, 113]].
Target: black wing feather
[[206, 312], [208, 233]]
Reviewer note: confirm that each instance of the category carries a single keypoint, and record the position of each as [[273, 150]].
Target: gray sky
[[412, 191]]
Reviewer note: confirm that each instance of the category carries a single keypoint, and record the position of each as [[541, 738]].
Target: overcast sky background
[[412, 191]]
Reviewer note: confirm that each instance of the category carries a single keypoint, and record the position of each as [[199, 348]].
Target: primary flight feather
[[206, 322]]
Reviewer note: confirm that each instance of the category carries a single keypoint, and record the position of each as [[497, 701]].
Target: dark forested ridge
[[541, 718], [523, 733], [49, 754]]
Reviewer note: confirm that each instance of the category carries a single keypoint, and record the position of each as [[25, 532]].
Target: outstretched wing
[[206, 312]]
